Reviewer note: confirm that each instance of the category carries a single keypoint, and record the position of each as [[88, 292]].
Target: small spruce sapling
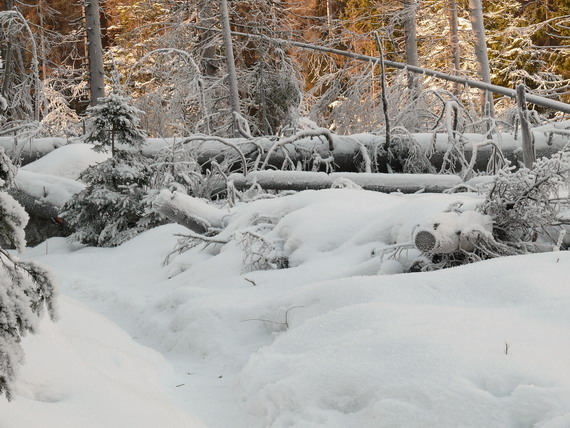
[[114, 206], [26, 289], [114, 121]]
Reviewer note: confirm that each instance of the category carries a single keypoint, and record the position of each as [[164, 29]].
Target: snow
[[68, 161], [83, 371], [53, 178], [338, 339], [47, 188]]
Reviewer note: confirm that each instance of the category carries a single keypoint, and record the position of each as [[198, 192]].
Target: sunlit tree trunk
[[454, 41], [483, 68], [94, 51], [410, 32]]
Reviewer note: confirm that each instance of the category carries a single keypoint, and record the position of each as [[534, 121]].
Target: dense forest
[[169, 56]]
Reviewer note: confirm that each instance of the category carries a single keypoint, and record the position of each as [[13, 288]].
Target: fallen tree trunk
[[297, 180], [347, 150], [189, 212]]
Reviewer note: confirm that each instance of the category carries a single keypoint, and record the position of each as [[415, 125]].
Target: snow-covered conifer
[[114, 121], [25, 288], [114, 206]]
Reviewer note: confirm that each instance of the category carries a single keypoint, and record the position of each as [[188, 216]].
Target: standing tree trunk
[[209, 50], [483, 68], [454, 42], [8, 58], [410, 32], [529, 152], [94, 51], [230, 61]]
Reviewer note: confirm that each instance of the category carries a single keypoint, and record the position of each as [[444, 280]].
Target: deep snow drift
[[338, 339]]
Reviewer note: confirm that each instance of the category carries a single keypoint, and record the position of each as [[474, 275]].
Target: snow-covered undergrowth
[[338, 339]]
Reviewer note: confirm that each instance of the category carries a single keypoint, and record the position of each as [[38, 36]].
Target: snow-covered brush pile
[[523, 211], [530, 205], [261, 229]]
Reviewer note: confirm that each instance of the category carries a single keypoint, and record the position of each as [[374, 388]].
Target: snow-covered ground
[[340, 338]]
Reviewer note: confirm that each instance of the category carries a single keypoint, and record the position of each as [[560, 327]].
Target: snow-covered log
[[451, 232], [189, 212], [297, 180], [346, 149]]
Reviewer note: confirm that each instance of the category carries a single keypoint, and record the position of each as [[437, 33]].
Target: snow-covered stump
[[451, 232], [190, 212], [299, 180]]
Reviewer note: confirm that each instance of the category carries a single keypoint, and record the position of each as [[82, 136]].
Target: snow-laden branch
[[309, 133]]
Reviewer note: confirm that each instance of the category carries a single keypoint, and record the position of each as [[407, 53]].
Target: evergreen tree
[[114, 121], [26, 289], [114, 206]]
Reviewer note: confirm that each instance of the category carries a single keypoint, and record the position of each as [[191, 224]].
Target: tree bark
[[529, 152], [94, 51], [483, 68], [410, 33], [454, 42], [230, 60]]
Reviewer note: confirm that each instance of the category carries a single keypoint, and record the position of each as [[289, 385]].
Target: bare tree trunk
[[529, 152], [8, 57], [454, 42], [484, 71], [410, 32], [230, 61], [209, 51], [94, 51]]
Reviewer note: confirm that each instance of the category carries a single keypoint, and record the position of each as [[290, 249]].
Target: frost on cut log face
[[452, 231]]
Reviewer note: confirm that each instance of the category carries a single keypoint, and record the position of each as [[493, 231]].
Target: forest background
[[169, 57]]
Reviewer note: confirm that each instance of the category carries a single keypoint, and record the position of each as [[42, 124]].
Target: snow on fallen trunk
[[190, 212], [298, 180], [452, 231]]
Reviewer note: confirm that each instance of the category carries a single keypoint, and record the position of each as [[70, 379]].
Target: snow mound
[[68, 161], [84, 372], [338, 339], [47, 188]]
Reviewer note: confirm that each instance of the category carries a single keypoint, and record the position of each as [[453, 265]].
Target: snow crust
[[47, 188], [83, 371], [68, 161], [339, 339]]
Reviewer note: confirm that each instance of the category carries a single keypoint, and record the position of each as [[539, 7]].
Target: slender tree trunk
[[410, 32], [484, 70], [454, 42], [94, 51], [529, 152], [8, 57], [230, 61], [209, 51]]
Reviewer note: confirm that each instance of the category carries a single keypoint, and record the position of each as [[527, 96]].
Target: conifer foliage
[[114, 206], [114, 121], [26, 289]]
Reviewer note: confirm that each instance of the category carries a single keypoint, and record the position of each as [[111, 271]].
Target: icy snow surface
[[339, 339]]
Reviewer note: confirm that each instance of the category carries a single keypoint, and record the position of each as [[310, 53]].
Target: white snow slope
[[339, 339]]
